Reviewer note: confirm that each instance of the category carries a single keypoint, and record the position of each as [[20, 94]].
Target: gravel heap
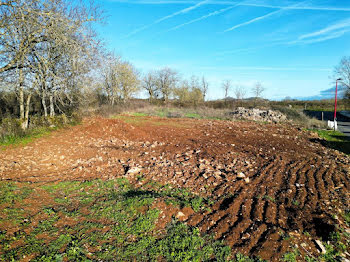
[[258, 115]]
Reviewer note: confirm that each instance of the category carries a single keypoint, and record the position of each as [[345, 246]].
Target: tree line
[[52, 61], [46, 49], [121, 81]]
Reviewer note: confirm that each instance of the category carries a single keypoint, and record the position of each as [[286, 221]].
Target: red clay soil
[[290, 183]]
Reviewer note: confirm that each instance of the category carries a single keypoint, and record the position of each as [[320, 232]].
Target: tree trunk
[[43, 101], [112, 101], [21, 102], [21, 94], [26, 119], [52, 108]]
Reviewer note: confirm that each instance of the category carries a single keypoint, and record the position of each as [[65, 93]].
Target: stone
[[320, 246], [180, 214], [133, 170], [258, 115], [241, 175], [343, 259]]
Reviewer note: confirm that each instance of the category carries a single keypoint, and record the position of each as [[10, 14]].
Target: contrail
[[263, 17], [329, 29], [253, 20], [305, 7], [201, 18], [183, 11]]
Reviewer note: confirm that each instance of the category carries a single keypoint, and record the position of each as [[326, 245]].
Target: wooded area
[[53, 62]]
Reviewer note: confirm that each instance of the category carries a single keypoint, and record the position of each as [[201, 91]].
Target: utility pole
[[335, 102]]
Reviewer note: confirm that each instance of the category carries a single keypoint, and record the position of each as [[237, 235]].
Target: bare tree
[[128, 78], [39, 43], [194, 82], [240, 93], [167, 80], [187, 93], [149, 83], [226, 86], [204, 87], [182, 91], [257, 91], [120, 80], [342, 70]]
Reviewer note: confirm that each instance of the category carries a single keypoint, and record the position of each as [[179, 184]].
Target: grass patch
[[179, 112], [139, 114], [11, 132], [27, 138], [346, 216], [331, 135], [335, 140], [99, 221], [193, 115]]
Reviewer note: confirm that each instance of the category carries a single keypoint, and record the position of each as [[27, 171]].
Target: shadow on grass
[[343, 143], [173, 197]]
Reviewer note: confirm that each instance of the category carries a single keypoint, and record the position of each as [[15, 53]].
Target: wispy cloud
[[253, 20], [329, 29], [329, 32], [259, 18], [183, 11], [201, 18], [218, 2]]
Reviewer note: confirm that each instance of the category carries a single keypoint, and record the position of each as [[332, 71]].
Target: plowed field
[[266, 181]]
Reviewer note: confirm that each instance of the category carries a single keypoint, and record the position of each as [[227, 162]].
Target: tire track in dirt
[[291, 180]]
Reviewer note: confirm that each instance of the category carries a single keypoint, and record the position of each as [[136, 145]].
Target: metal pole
[[335, 103]]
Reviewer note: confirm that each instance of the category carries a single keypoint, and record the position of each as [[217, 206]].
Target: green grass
[[335, 140], [100, 221], [291, 256], [193, 115], [269, 198], [27, 138], [138, 114], [331, 135], [346, 216]]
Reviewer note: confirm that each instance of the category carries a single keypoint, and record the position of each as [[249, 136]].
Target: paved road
[[343, 119], [344, 127]]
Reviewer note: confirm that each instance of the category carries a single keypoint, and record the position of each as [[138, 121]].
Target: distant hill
[[326, 94]]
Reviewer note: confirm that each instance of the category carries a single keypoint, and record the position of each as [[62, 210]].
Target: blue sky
[[291, 47]]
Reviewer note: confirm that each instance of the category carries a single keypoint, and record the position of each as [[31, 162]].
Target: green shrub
[[11, 131], [75, 118], [11, 127]]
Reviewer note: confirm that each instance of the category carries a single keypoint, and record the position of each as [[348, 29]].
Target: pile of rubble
[[258, 115]]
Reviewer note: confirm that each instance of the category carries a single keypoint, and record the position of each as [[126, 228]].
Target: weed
[[335, 140], [183, 243], [346, 216], [307, 234], [291, 256], [296, 203], [41, 127], [310, 259], [193, 115], [242, 258], [103, 221], [269, 198], [139, 114]]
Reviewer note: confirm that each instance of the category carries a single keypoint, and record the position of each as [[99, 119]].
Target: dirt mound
[[266, 181], [258, 115]]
